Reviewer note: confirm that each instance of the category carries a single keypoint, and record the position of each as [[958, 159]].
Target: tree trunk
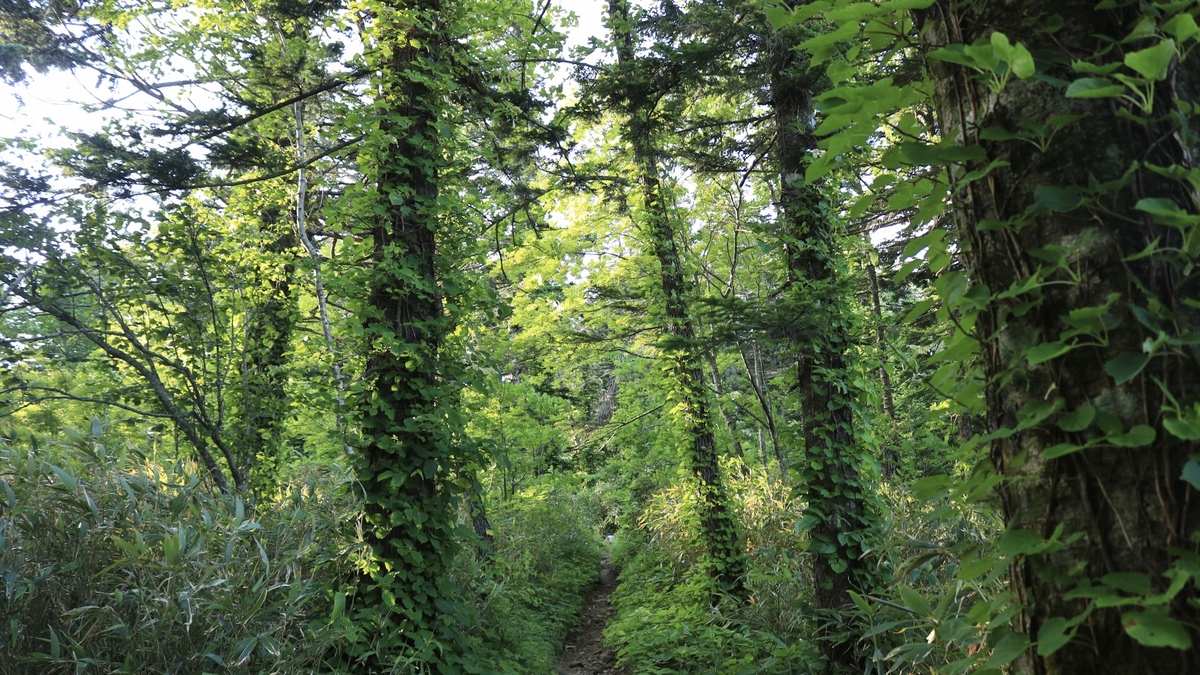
[[818, 330], [408, 419], [1055, 226], [268, 335], [891, 458], [718, 529]]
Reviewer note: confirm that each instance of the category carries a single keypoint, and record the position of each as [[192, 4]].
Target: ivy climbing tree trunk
[[269, 327], [409, 421], [1081, 242], [718, 529], [818, 329]]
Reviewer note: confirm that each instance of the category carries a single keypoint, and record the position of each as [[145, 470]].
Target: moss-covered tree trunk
[[408, 419], [718, 529], [1081, 240], [819, 330]]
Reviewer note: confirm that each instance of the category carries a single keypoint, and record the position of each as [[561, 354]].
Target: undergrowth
[[927, 616], [112, 562]]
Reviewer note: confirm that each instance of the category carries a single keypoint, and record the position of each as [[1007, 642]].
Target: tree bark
[[408, 418], [1073, 203]]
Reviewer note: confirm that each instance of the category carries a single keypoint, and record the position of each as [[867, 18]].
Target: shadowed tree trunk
[[408, 419], [1082, 374]]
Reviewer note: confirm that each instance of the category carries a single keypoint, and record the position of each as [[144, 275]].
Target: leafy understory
[[862, 335]]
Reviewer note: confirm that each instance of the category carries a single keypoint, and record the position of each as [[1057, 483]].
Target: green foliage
[[112, 563], [544, 562], [666, 620]]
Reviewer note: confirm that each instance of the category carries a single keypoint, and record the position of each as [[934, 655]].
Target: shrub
[[111, 563]]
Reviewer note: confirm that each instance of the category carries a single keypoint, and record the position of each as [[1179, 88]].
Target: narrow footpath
[[584, 653]]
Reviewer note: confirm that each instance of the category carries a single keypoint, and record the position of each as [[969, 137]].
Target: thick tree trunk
[[1122, 496], [819, 335], [718, 529], [408, 420]]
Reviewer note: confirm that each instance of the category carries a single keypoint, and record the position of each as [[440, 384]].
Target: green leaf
[[1055, 199], [1154, 628], [1125, 366], [1182, 26], [1139, 436], [1094, 87], [1020, 542], [1021, 62], [1191, 473], [1046, 351], [1078, 419], [1061, 449], [243, 650], [915, 602], [1055, 633], [1130, 582], [67, 479], [1153, 62], [971, 569], [1009, 648]]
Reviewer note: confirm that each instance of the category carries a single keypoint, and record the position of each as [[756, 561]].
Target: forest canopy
[[859, 336]]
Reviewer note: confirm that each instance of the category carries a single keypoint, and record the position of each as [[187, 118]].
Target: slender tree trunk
[[819, 333], [891, 458], [268, 334], [718, 529], [758, 384], [1120, 502]]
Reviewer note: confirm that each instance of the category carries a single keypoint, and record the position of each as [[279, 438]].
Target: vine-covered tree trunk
[[718, 529], [408, 420], [819, 331], [264, 403], [1083, 243]]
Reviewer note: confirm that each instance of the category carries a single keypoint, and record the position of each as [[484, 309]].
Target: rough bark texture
[[1128, 503], [818, 333], [718, 530]]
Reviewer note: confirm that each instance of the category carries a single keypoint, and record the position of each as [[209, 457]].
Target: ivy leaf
[[1182, 26], [1046, 351], [1191, 473], [1055, 633], [1009, 648], [1139, 436], [1078, 419], [1153, 62], [1020, 542], [1094, 87], [1130, 582], [1055, 199], [1183, 429], [1125, 366], [1061, 449], [1155, 629]]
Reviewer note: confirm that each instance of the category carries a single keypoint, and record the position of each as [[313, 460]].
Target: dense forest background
[[868, 329]]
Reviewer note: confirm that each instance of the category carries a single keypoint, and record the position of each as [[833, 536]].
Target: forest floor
[[584, 653]]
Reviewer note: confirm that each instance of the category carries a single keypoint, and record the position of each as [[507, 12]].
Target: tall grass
[[113, 563]]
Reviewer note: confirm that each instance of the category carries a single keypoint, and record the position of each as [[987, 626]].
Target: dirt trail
[[584, 653]]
